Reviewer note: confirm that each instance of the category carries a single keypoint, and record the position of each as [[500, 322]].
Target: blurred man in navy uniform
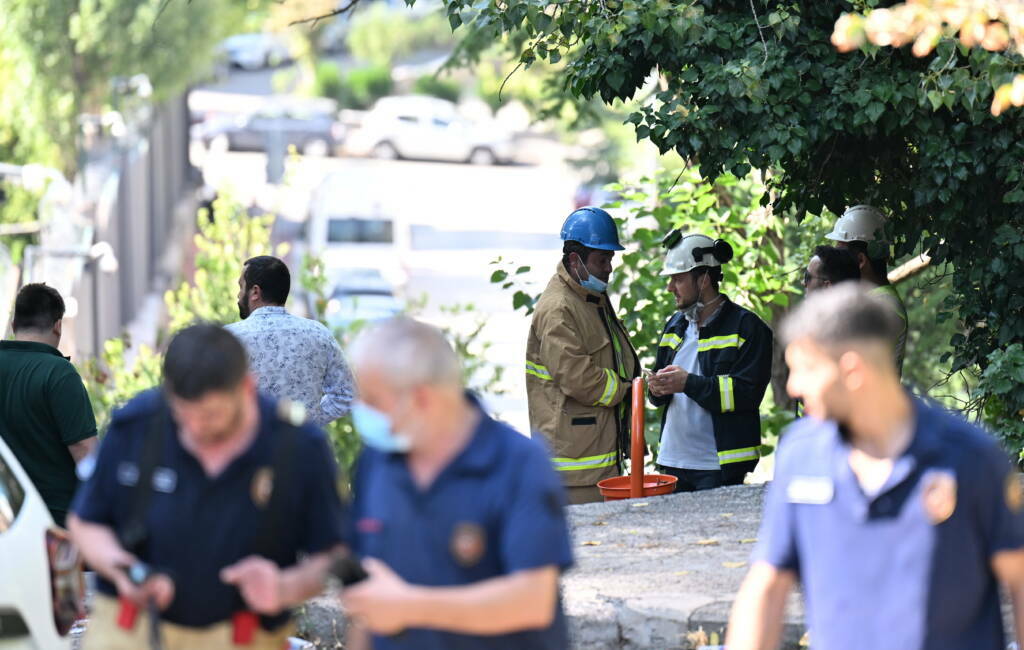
[[214, 491], [459, 516], [899, 519]]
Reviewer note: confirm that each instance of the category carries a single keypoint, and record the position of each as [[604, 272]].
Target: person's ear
[[58, 327], [256, 293], [249, 383], [853, 370], [862, 262]]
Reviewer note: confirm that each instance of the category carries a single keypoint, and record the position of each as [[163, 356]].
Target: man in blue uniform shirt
[[235, 488], [899, 519], [459, 516]]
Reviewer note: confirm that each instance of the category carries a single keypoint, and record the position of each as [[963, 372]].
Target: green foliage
[[122, 373], [17, 205], [731, 86], [436, 87], [928, 339], [222, 244], [381, 35], [327, 80], [361, 87], [727, 208], [59, 59], [497, 88], [1002, 383]]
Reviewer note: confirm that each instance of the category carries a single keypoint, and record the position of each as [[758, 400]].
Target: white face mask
[[692, 311]]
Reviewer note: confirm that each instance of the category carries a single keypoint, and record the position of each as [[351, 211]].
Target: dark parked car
[[312, 133]]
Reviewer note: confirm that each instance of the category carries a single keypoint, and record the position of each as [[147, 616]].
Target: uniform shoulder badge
[[262, 486], [938, 493], [469, 541], [291, 412]]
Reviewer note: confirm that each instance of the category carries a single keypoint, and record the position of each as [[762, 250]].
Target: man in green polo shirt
[[45, 415]]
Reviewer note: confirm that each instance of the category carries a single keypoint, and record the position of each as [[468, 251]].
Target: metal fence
[[131, 192]]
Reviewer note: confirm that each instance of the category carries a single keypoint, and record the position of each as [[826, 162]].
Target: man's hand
[[259, 581], [377, 602], [668, 380], [157, 588]]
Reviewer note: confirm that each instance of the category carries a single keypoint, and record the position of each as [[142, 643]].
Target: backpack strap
[[132, 533]]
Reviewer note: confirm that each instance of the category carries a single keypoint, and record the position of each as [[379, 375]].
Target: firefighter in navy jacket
[[713, 365]]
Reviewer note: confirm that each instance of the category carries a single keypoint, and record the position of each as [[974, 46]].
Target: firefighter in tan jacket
[[579, 361]]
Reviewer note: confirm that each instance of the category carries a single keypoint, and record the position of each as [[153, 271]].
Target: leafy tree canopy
[[738, 85], [59, 59]]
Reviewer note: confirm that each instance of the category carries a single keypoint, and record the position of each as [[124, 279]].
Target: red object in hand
[[243, 627], [127, 614]]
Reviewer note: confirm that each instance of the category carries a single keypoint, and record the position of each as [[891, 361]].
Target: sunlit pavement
[[478, 213]]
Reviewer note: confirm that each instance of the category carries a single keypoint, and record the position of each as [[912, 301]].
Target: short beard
[[243, 308]]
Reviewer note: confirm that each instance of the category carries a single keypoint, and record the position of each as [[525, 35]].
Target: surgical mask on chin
[[692, 313], [592, 283], [376, 430]]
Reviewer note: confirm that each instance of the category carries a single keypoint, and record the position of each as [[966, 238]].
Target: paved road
[[462, 218]]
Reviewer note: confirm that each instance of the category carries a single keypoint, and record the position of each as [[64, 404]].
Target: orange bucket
[[637, 484], [617, 488]]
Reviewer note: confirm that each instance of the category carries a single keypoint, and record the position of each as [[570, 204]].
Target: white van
[[42, 591], [349, 227]]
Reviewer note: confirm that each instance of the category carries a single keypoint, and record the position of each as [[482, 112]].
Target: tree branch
[[760, 33], [507, 77], [331, 14], [909, 269]]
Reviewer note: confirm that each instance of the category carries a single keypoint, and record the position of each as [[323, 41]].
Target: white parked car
[[256, 51], [348, 227], [428, 128], [42, 590]]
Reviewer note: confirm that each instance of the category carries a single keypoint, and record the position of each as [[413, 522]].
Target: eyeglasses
[[808, 277]]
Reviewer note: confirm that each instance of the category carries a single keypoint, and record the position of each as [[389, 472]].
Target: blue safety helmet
[[592, 227]]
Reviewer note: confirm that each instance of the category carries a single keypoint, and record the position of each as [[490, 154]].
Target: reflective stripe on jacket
[[578, 380], [734, 352]]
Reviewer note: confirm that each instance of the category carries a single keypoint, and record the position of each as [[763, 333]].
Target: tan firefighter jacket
[[579, 367]]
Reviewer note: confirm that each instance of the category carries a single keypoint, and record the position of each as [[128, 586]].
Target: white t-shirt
[[688, 439]]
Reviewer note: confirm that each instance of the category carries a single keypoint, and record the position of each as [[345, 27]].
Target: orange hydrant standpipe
[[637, 484], [636, 453]]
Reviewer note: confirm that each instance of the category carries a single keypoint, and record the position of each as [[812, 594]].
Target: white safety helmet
[[859, 223], [687, 252]]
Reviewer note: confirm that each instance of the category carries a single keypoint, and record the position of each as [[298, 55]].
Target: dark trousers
[[695, 480]]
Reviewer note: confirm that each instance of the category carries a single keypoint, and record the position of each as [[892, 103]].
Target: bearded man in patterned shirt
[[292, 357]]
